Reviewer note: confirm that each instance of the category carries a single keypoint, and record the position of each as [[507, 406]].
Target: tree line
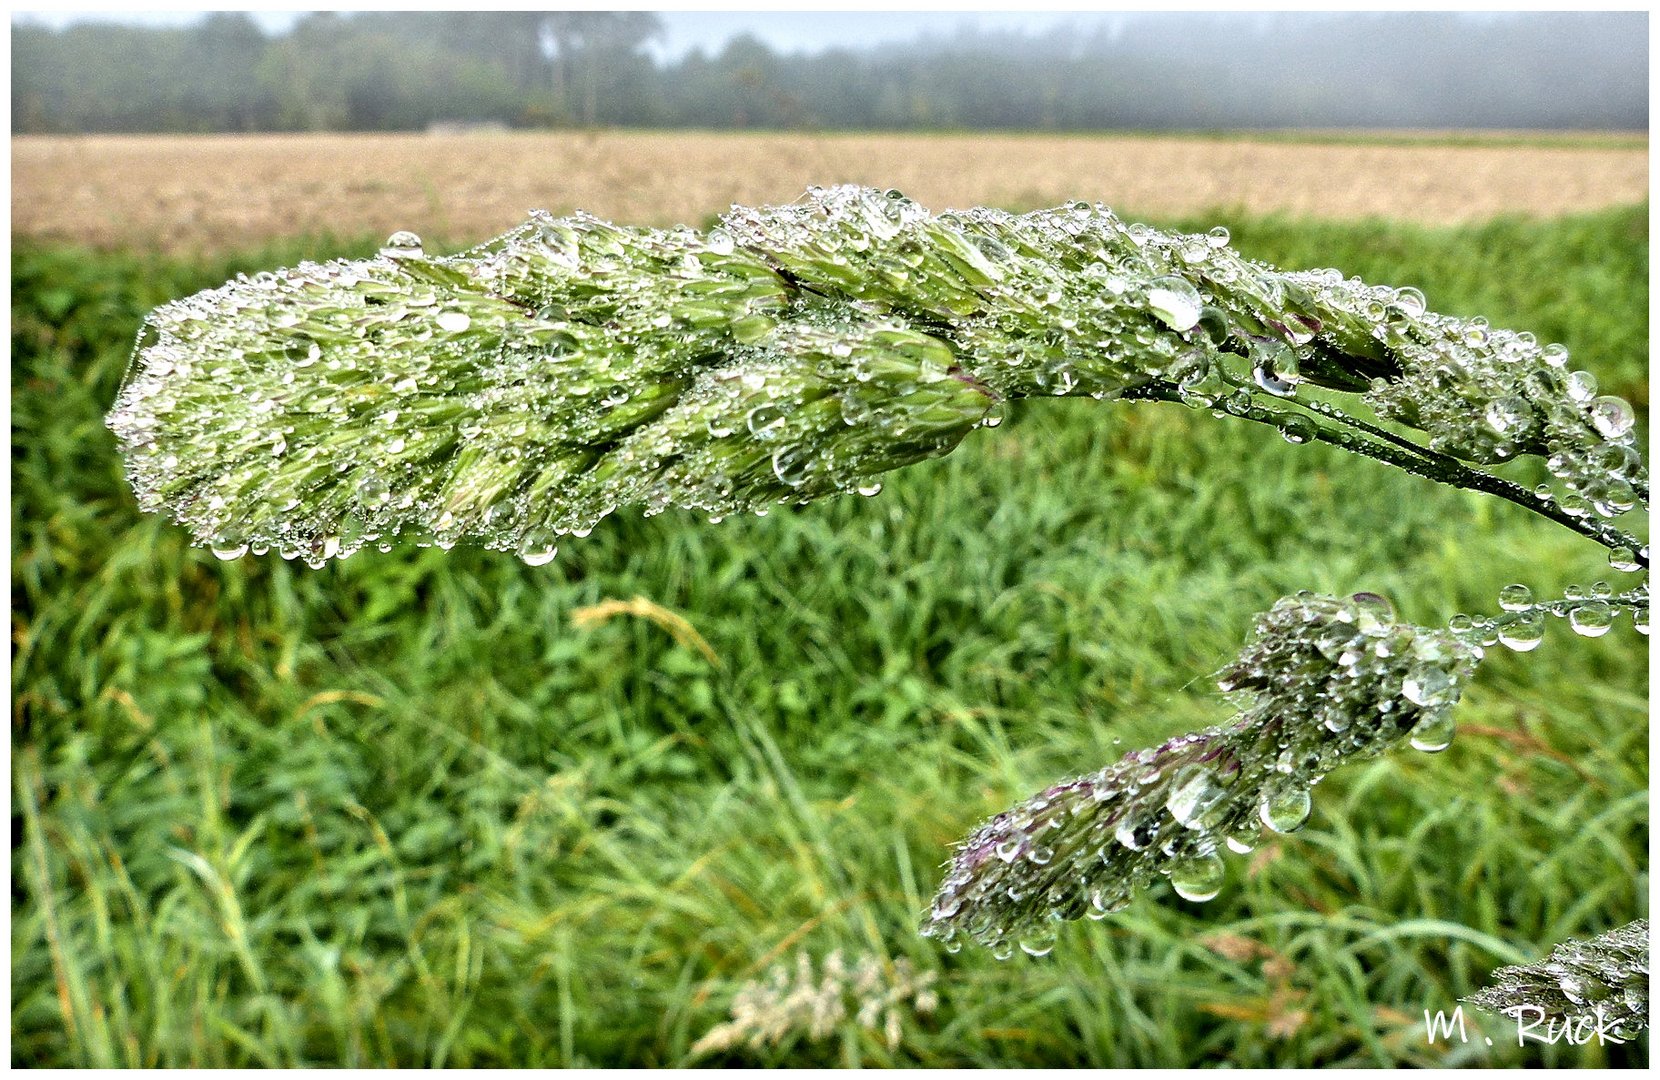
[[400, 71]]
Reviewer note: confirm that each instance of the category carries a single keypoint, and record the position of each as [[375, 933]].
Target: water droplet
[[1199, 879], [1591, 619], [537, 550], [1555, 354], [1509, 415], [1522, 633], [1411, 301], [1611, 496], [1189, 367], [1137, 835], [1428, 686], [1611, 416], [1287, 810], [227, 548], [1108, 898], [792, 465], [1297, 429], [1581, 385], [1338, 644], [719, 241], [1434, 731], [1274, 367], [373, 492], [1174, 302], [402, 245], [1374, 615], [870, 490], [1217, 237], [764, 421], [1624, 560], [1038, 942], [1515, 597], [454, 322], [1195, 797]]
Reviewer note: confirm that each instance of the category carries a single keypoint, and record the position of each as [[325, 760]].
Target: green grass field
[[402, 811]]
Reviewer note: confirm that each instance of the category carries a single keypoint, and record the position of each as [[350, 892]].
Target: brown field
[[193, 193]]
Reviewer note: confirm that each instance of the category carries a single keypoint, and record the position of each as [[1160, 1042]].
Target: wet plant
[[520, 392], [1323, 682], [1578, 980], [814, 1002]]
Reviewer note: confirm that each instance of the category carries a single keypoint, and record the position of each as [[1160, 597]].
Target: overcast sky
[[811, 31]]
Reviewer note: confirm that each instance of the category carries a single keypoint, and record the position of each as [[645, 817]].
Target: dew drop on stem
[[1198, 879], [1286, 810], [1433, 732]]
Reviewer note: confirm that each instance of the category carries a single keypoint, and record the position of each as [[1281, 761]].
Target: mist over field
[[400, 71]]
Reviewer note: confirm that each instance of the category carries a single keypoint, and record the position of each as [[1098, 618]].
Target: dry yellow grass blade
[[683, 632]]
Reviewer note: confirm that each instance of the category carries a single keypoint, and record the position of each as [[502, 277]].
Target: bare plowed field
[[214, 192]]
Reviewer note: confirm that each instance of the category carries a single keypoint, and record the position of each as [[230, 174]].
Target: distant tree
[[36, 103], [590, 49], [405, 69], [224, 50], [757, 85]]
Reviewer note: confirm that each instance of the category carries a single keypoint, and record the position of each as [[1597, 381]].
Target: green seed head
[[1607, 974], [1321, 683], [527, 388]]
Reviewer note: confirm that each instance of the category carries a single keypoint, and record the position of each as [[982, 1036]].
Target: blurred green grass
[[401, 811]]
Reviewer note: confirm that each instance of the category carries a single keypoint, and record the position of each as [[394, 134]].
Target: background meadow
[[432, 808]]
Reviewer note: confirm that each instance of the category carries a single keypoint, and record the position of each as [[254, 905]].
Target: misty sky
[[709, 30]]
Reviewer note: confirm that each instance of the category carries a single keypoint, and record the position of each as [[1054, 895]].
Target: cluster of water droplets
[[1490, 395], [1064, 301], [1323, 682], [1589, 611], [521, 391], [1609, 972], [1482, 394]]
